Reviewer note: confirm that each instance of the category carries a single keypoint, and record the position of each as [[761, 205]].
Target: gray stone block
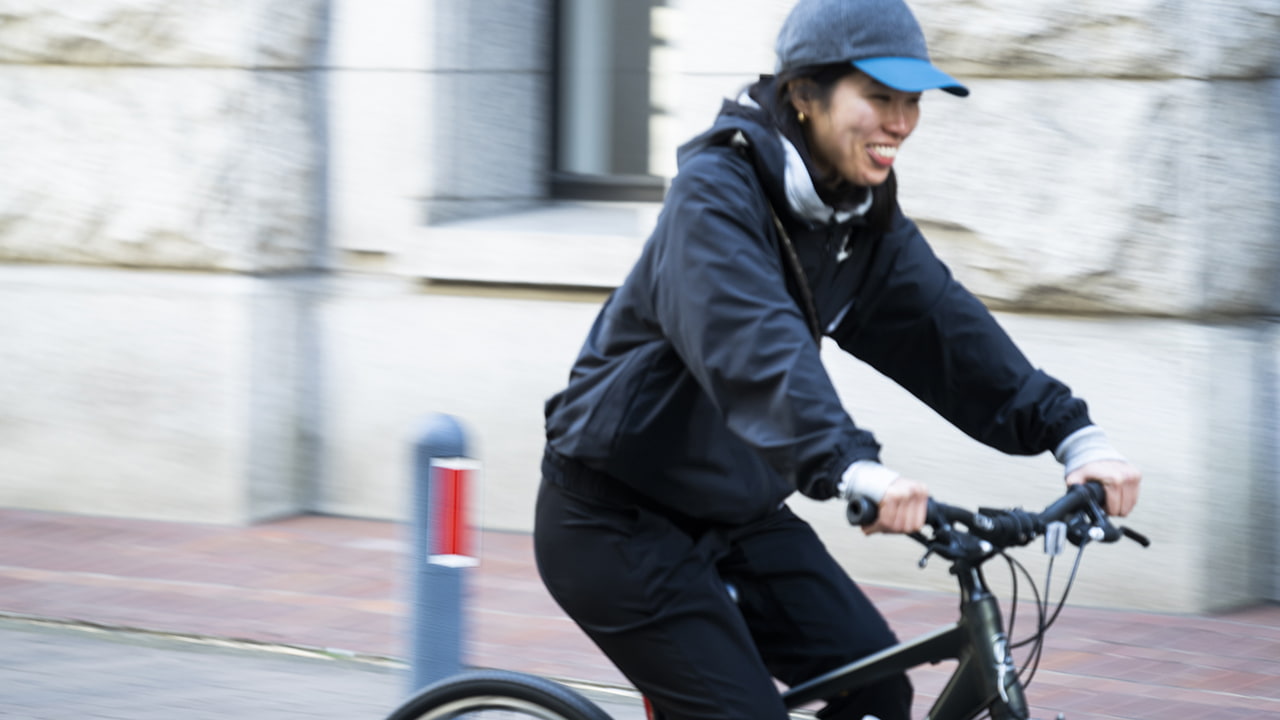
[[1024, 38], [202, 33], [1100, 195], [719, 37], [173, 396], [397, 355], [387, 35], [1173, 396], [148, 167], [1130, 39], [378, 165]]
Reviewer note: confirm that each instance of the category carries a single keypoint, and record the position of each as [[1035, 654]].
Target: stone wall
[[160, 134], [1124, 151], [223, 236], [1109, 188], [142, 138], [155, 394]]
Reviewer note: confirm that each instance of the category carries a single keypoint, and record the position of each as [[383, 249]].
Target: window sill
[[566, 244]]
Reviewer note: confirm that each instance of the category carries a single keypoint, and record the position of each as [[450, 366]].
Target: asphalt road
[[53, 671]]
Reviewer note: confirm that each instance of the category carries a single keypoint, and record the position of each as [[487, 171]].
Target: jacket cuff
[[866, 478], [1084, 446]]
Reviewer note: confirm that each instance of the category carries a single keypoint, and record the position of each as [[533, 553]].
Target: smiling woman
[[699, 401], [854, 129]]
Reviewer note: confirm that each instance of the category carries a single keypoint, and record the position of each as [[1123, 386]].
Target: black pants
[[649, 588]]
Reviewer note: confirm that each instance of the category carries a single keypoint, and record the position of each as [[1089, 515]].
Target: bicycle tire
[[497, 694]]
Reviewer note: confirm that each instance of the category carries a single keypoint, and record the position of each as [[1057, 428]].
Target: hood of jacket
[[787, 178]]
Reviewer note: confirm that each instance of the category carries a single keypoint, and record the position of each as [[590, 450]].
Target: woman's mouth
[[882, 155]]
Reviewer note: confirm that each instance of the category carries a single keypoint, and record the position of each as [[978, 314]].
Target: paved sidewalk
[[324, 583]]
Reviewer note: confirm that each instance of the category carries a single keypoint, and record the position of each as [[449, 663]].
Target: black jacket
[[700, 385]]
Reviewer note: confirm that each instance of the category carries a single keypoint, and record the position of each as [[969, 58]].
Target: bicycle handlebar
[[1080, 509]]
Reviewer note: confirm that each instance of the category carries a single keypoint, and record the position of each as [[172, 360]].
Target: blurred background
[[247, 247]]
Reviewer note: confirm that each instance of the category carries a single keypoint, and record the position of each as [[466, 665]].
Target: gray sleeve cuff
[[1084, 446], [866, 478]]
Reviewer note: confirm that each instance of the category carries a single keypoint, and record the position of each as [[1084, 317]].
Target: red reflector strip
[[453, 538], [449, 505]]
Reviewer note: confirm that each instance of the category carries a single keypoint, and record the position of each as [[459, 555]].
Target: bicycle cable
[[1038, 637], [1045, 619], [1071, 580]]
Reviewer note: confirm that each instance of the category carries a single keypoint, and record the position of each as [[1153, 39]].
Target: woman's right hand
[[902, 509]]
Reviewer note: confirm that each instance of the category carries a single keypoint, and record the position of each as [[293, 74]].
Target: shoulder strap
[[789, 256], [797, 271]]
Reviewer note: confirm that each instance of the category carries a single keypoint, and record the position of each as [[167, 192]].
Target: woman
[[699, 402]]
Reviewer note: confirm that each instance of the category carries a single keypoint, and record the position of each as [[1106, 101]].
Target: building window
[[613, 96]]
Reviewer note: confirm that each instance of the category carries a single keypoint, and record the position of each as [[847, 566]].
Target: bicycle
[[985, 679]]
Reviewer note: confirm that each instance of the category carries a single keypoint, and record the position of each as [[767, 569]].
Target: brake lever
[[1111, 532], [1135, 536], [942, 543], [930, 546], [1082, 531]]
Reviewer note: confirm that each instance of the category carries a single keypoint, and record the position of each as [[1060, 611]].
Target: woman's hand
[[902, 509], [1119, 478]]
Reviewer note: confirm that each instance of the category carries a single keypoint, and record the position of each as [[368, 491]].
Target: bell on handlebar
[[1082, 530], [1078, 530]]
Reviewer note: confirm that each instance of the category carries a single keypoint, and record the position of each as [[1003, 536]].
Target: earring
[[801, 118]]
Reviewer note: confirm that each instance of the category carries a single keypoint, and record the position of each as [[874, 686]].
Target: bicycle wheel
[[495, 694]]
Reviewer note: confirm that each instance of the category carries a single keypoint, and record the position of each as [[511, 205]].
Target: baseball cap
[[879, 37]]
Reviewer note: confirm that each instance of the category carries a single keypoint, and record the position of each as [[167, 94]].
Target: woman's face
[[857, 133]]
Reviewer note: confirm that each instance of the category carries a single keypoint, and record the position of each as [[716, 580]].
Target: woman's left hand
[[1119, 478]]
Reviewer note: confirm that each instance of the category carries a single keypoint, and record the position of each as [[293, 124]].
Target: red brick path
[[337, 583]]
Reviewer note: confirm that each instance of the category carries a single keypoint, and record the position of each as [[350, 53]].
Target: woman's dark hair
[[833, 189]]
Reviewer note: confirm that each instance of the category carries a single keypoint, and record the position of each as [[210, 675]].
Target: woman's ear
[[800, 93]]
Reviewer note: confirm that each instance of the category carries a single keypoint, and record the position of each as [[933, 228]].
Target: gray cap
[[879, 37]]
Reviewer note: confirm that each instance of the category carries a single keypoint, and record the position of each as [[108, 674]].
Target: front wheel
[[494, 694]]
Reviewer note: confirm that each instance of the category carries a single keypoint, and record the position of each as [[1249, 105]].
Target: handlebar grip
[[1077, 498], [1097, 492], [861, 511]]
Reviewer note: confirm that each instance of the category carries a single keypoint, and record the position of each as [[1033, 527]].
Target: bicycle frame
[[986, 677]]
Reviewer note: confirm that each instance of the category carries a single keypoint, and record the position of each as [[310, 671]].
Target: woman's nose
[[897, 119]]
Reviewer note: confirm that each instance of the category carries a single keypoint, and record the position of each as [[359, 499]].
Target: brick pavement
[[336, 583]]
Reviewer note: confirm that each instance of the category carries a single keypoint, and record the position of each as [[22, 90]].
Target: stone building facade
[[246, 247]]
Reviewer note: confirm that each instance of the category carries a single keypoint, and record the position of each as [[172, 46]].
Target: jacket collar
[[780, 165]]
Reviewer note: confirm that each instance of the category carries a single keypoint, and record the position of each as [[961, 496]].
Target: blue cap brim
[[910, 75]]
